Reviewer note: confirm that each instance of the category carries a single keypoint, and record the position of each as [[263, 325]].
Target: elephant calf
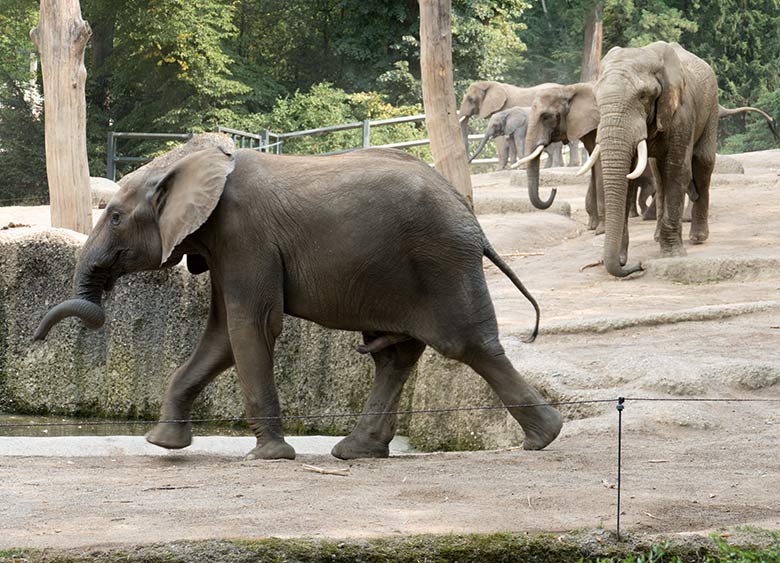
[[372, 241]]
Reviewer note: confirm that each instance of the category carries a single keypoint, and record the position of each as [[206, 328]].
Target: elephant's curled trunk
[[87, 305], [92, 315], [532, 174]]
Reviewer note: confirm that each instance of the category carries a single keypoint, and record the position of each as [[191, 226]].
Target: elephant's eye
[[115, 218]]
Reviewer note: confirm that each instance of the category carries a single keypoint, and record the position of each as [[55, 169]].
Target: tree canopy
[[189, 65]]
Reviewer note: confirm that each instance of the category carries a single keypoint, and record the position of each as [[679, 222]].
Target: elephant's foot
[[633, 213], [672, 251], [171, 435], [593, 223], [698, 236], [544, 428], [273, 449], [353, 447], [649, 215], [601, 228]]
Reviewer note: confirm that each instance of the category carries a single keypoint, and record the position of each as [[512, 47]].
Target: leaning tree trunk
[[441, 119], [61, 37]]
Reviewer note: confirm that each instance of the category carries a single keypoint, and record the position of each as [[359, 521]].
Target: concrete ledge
[[706, 313]]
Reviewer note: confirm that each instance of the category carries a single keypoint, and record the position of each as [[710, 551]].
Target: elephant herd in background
[[649, 124]]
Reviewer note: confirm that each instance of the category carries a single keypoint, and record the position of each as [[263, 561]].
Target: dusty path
[[687, 331]]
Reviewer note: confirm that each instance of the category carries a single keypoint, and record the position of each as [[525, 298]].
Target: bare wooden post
[[61, 37], [591, 48], [449, 152]]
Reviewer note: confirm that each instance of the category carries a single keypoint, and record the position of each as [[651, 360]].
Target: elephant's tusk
[[594, 156], [462, 118], [641, 160], [534, 155]]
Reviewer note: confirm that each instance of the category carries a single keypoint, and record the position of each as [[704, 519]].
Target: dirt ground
[[707, 325]]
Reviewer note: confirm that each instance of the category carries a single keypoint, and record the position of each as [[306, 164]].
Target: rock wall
[[154, 320]]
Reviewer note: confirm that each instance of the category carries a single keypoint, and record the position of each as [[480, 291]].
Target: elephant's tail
[[493, 256]]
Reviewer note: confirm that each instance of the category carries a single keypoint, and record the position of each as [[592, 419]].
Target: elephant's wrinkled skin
[[372, 241]]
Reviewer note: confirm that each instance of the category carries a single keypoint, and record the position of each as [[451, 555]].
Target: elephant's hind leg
[[541, 422], [212, 356], [372, 434]]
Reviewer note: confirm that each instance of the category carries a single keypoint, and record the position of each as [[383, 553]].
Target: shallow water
[[51, 426]]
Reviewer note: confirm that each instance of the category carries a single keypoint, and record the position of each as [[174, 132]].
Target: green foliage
[[22, 163], [633, 24], [755, 134], [189, 65], [326, 105]]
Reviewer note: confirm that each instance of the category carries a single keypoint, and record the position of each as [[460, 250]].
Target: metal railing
[[112, 158], [263, 140], [271, 142]]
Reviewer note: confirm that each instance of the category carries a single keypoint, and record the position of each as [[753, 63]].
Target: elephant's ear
[[188, 193], [583, 114], [672, 82], [494, 100]]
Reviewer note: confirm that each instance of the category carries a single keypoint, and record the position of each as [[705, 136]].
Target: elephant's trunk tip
[[619, 271], [90, 313]]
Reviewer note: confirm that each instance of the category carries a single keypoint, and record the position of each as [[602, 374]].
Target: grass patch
[[596, 546]]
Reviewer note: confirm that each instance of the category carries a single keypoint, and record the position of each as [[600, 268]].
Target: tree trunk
[[591, 51], [61, 37], [441, 119]]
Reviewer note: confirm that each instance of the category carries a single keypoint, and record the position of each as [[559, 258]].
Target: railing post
[[366, 133], [110, 150], [266, 140]]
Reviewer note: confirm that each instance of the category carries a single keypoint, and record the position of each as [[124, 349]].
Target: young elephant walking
[[373, 241]]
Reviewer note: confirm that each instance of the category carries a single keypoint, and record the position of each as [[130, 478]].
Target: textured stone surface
[[728, 165], [102, 190]]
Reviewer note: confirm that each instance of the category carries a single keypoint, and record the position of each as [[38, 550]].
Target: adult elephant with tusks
[[372, 241], [659, 101]]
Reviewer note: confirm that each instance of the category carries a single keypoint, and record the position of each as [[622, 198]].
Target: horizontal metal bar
[[171, 136], [392, 120], [341, 151], [230, 131], [320, 130], [403, 144], [132, 159]]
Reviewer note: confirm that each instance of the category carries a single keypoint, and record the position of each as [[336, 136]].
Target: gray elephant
[[656, 101], [557, 114], [511, 124], [485, 97], [647, 188], [372, 241]]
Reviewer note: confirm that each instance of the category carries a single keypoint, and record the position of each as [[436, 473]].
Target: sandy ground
[[707, 325]]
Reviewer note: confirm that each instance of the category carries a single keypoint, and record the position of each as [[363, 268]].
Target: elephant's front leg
[[372, 434], [675, 181], [212, 356], [502, 150], [591, 206], [254, 316]]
